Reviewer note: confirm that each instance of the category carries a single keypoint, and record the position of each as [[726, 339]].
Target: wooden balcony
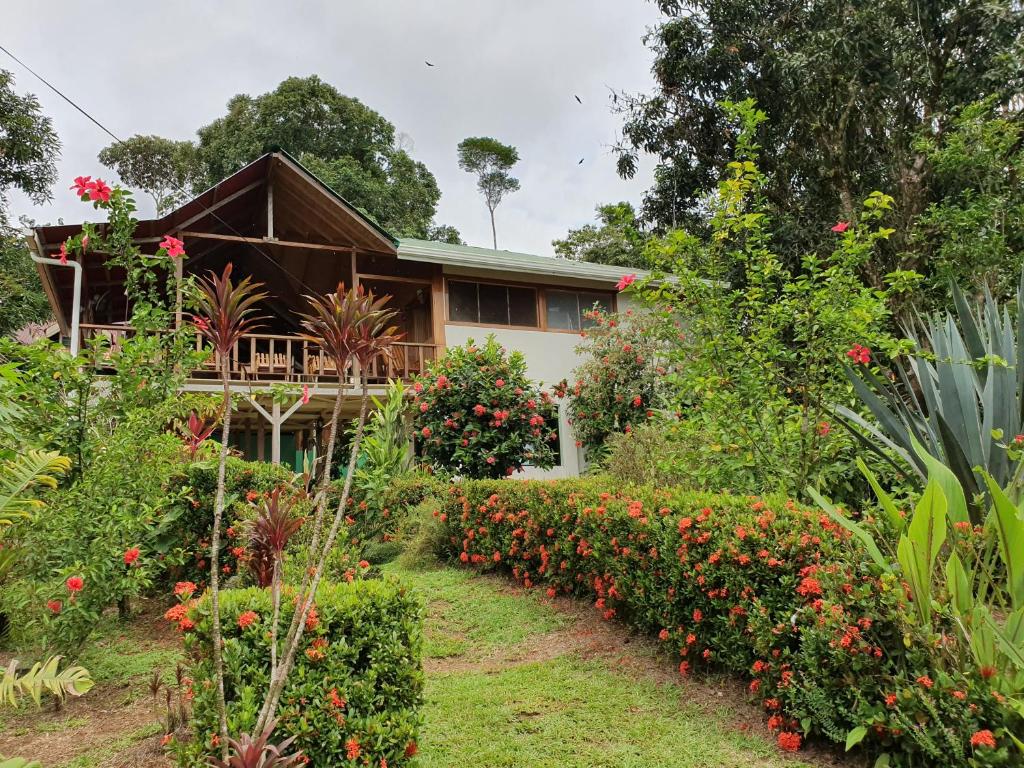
[[268, 358]]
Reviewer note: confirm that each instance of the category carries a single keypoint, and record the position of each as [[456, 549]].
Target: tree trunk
[[494, 232], [218, 513]]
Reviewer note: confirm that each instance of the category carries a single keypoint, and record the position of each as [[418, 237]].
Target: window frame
[[540, 294]]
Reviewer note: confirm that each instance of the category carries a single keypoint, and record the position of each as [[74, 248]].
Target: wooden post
[[275, 434]]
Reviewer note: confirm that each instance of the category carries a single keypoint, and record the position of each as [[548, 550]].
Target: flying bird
[[580, 162], [577, 98], [428, 63]]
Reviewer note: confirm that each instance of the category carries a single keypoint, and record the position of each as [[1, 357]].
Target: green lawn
[[509, 683]]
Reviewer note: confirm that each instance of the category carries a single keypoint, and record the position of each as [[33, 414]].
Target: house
[[279, 224]]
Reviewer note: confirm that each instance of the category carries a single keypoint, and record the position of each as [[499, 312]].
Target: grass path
[[515, 679]]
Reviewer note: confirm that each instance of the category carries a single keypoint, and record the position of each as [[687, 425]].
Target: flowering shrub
[[477, 414], [354, 694], [621, 382], [246, 483], [758, 586]]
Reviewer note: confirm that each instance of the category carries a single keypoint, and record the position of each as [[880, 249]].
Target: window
[[490, 304], [567, 309]]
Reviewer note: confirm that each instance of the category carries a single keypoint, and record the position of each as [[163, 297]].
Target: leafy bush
[[354, 694], [759, 586], [245, 483], [477, 414], [621, 382]]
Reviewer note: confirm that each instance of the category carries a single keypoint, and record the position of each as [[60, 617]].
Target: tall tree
[[29, 149], [352, 148], [847, 87], [491, 161], [619, 240], [166, 170]]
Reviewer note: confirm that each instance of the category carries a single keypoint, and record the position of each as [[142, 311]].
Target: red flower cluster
[[859, 354], [247, 619], [96, 191]]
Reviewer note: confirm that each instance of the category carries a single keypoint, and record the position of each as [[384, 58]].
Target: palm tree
[[226, 312]]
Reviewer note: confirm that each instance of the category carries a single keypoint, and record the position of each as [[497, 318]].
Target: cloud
[[508, 70]]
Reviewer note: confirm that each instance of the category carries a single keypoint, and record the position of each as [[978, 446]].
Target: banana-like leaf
[[856, 529], [1012, 645], [958, 584], [983, 637], [1010, 529], [920, 545], [19, 475], [896, 520], [43, 676], [952, 491]]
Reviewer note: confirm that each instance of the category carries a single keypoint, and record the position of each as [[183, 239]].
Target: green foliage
[[29, 146], [351, 147], [623, 379], [757, 361], [166, 170], [18, 476], [477, 414], [246, 483], [758, 586], [848, 91], [22, 300], [357, 685], [958, 400], [43, 676], [490, 161], [618, 240], [973, 232]]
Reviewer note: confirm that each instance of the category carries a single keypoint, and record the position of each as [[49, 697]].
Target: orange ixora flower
[[789, 741], [247, 619], [983, 739]]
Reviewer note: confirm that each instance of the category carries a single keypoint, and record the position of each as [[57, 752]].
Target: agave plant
[[958, 399], [351, 327], [258, 752], [226, 313]]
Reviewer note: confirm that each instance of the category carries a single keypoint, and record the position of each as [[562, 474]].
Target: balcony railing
[[266, 357]]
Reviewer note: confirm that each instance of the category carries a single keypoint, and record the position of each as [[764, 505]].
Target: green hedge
[[761, 587], [364, 651]]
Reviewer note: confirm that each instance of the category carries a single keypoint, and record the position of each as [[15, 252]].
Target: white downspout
[[76, 302]]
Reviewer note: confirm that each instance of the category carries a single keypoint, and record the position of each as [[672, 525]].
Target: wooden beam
[[438, 307], [266, 241], [207, 210]]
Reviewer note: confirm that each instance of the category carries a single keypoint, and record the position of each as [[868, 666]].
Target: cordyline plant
[[225, 313], [352, 329]]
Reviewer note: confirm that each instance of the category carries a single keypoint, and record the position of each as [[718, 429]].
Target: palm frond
[[19, 475]]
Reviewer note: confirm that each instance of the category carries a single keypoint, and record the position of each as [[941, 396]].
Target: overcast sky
[[503, 69]]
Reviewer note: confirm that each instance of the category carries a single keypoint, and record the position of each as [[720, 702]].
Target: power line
[[181, 189]]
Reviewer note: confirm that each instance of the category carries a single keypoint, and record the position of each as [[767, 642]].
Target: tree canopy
[[352, 148], [848, 89], [168, 171], [29, 148], [491, 161], [619, 240]]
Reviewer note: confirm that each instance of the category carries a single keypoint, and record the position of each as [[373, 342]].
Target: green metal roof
[[489, 259]]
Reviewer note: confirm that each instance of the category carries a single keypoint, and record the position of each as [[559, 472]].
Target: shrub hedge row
[[759, 586], [354, 694]]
